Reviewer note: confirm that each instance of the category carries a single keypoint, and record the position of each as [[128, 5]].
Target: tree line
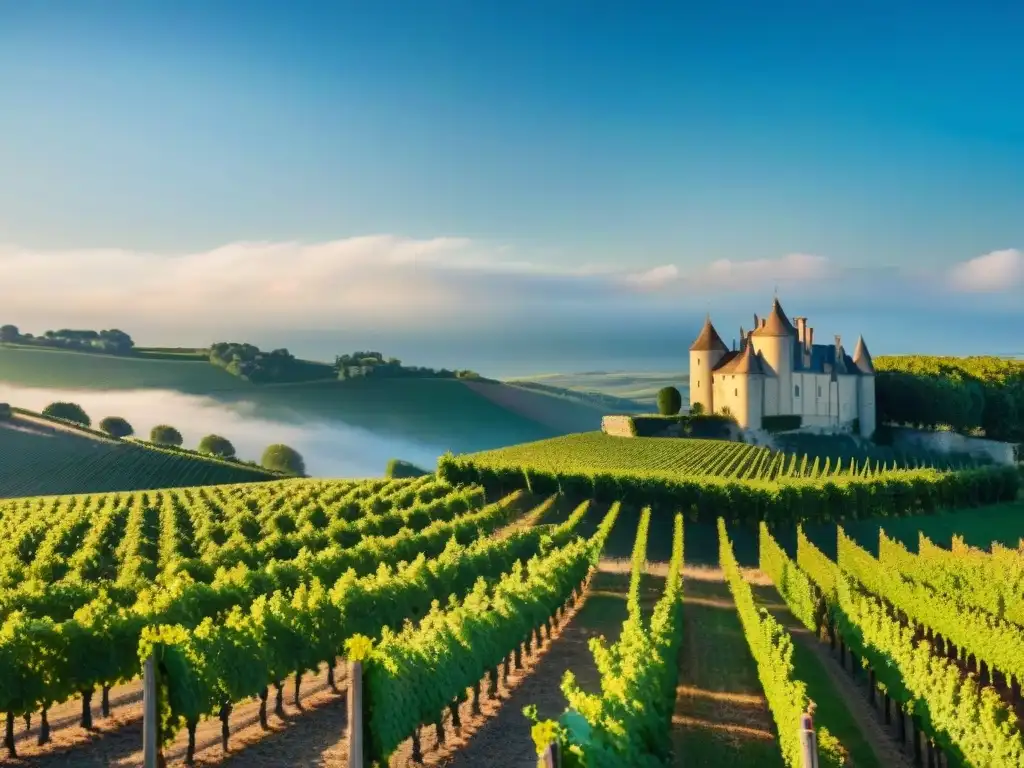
[[277, 457], [113, 341], [966, 394], [241, 359], [373, 364]]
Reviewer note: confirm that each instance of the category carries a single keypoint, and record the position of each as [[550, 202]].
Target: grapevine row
[[991, 640], [129, 565], [985, 582], [787, 499], [969, 722], [966, 720], [217, 664], [630, 722], [772, 648], [412, 676], [43, 662]]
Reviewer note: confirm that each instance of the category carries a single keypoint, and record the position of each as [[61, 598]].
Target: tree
[[163, 434], [669, 401], [9, 333], [215, 445], [67, 412], [5, 411], [282, 458], [115, 426], [1000, 415], [697, 409], [398, 468]]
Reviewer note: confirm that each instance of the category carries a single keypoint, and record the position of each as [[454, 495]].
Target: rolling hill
[[42, 458], [448, 414], [617, 389]]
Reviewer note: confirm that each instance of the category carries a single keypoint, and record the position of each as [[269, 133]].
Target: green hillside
[[640, 388], [36, 459], [438, 412], [65, 369]]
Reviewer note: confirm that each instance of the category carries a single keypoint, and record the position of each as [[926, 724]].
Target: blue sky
[[538, 139]]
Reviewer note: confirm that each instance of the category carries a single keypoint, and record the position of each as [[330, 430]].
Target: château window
[[819, 390], [736, 392], [698, 385], [797, 390]]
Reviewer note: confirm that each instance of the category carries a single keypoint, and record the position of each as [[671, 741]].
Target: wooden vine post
[[808, 741], [150, 714], [355, 714], [552, 757]]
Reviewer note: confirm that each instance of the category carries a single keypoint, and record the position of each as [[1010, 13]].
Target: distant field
[[562, 414], [640, 387], [61, 369], [442, 412], [36, 460]]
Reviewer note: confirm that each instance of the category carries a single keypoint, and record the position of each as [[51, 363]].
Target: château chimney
[[757, 321], [801, 331], [764, 320], [810, 340]]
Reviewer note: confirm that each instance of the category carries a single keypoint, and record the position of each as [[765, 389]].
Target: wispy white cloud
[[995, 272], [386, 281]]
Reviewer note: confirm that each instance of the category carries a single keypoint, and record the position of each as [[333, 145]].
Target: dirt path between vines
[[721, 717], [501, 737], [313, 735]]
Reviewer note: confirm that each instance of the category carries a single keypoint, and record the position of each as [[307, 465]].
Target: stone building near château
[[778, 370]]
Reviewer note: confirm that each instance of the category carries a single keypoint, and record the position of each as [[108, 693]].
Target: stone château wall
[[618, 426], [953, 442]]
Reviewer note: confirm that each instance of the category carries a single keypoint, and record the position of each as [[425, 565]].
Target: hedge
[[712, 426], [652, 425], [783, 423], [789, 500]]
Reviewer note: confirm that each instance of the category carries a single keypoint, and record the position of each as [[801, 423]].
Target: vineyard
[[37, 460], [413, 621], [714, 478], [932, 636], [670, 457]]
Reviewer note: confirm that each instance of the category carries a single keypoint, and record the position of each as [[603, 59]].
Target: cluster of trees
[[249, 362], [364, 364], [967, 394], [113, 341], [277, 457]]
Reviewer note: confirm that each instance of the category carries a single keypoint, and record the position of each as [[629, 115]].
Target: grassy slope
[[36, 460], [721, 716], [559, 413], [442, 412], [641, 387], [59, 369]]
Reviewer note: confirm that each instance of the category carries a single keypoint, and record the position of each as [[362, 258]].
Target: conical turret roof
[[776, 324], [862, 358], [708, 339], [746, 361]]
